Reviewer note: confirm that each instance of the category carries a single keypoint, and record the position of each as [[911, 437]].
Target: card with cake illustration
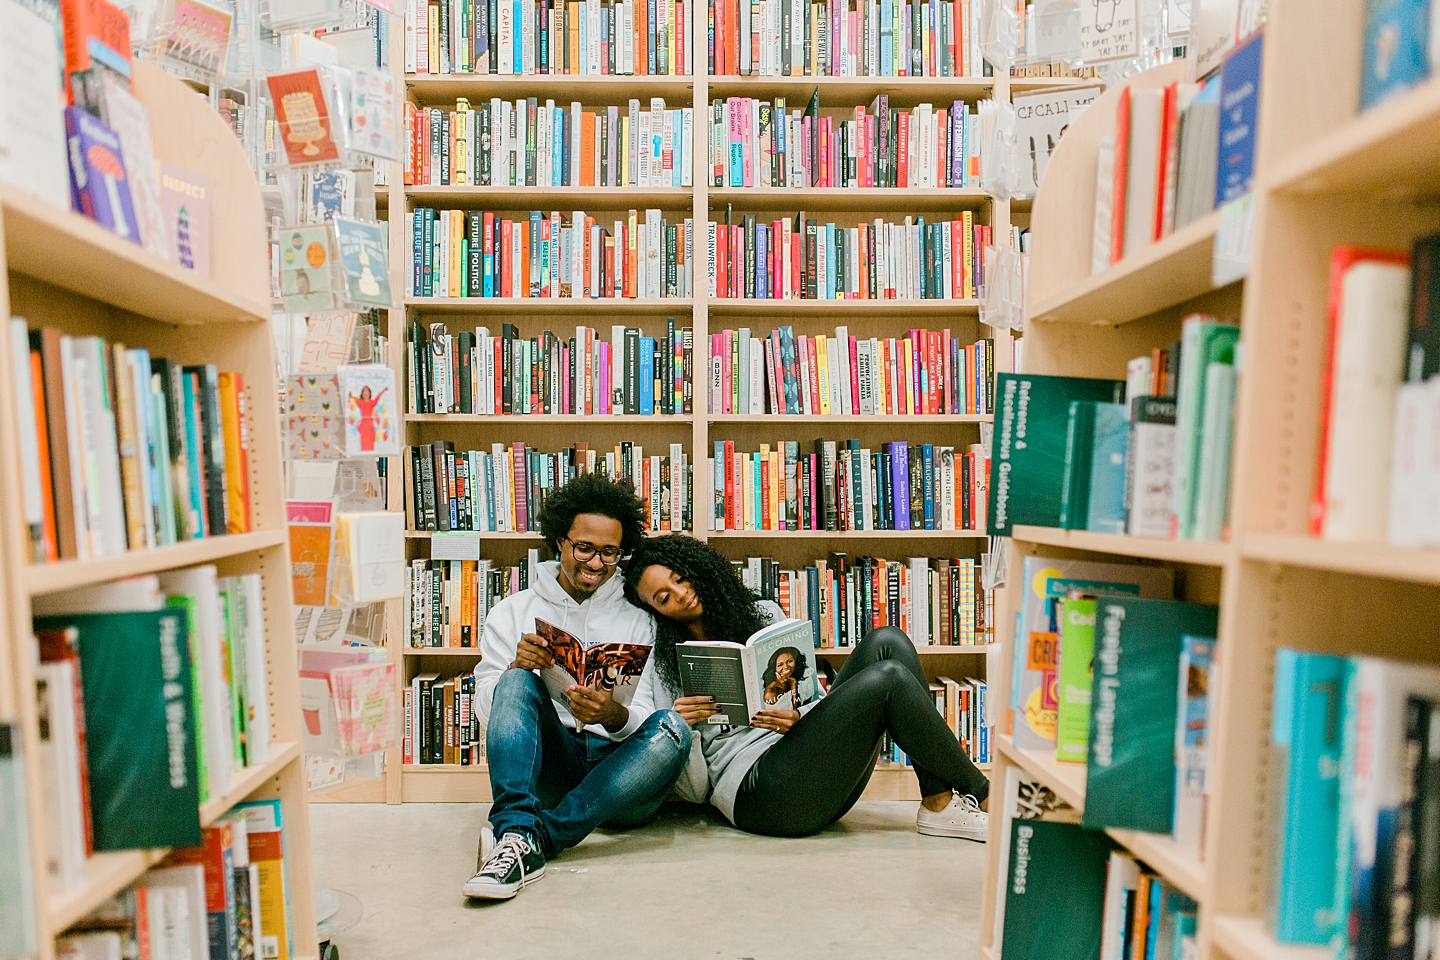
[[305, 119], [363, 267]]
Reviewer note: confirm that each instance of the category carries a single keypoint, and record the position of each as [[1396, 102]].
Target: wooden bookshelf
[[1326, 175], [65, 271], [702, 314]]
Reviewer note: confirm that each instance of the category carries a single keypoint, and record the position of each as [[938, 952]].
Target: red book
[[902, 157], [498, 348], [730, 523], [797, 253], [521, 487], [1341, 260], [854, 376], [1122, 163], [949, 372], [96, 31], [1169, 141], [812, 365]]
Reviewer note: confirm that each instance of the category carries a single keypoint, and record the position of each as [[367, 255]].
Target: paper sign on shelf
[[455, 546]]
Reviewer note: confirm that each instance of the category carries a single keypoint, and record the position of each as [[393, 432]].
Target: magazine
[[773, 670], [605, 666]]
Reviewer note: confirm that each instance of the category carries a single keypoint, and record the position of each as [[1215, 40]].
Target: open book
[[773, 670], [605, 666]]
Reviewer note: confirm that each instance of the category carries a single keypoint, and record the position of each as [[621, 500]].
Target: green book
[[139, 726], [1130, 779], [1027, 471], [1077, 651], [1203, 342], [1075, 481], [1054, 891]]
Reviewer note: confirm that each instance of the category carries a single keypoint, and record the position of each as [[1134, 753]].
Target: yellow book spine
[[822, 364], [237, 472]]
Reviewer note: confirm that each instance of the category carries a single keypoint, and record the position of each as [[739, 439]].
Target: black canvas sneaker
[[512, 864]]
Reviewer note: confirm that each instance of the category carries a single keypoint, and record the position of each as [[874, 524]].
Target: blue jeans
[[555, 785]]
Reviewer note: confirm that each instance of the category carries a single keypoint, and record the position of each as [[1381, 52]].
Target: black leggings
[[814, 774]]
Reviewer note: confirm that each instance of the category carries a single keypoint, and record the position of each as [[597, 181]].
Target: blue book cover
[[417, 254], [647, 375], [488, 467], [927, 460], [1395, 56], [194, 444], [99, 184], [1107, 469], [762, 262], [1239, 112], [1152, 929], [1306, 742], [831, 266], [812, 601], [737, 164]]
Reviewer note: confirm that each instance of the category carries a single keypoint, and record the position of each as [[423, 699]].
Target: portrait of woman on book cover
[[782, 678]]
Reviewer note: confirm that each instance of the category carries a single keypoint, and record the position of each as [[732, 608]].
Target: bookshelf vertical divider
[[67, 272], [409, 783]]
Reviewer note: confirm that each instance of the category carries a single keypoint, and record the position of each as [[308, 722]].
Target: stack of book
[[1357, 858], [446, 601], [124, 451], [936, 601], [926, 372], [504, 490], [757, 143], [934, 38], [152, 693], [574, 38], [800, 259], [226, 896], [962, 704], [845, 487], [536, 143], [584, 375], [441, 724], [467, 253]]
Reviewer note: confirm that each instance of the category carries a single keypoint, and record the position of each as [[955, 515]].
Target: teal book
[[1108, 449], [1130, 776], [139, 727], [1027, 469], [1212, 496], [1395, 56], [17, 880], [1075, 481], [1054, 891], [1306, 742], [1203, 341]]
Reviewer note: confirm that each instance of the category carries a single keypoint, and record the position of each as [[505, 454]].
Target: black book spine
[[507, 348], [212, 439], [464, 346]]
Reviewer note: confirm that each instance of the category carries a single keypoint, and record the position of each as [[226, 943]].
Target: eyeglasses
[[585, 552]]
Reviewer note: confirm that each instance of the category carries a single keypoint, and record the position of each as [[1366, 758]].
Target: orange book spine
[[587, 150], [42, 433], [237, 452]]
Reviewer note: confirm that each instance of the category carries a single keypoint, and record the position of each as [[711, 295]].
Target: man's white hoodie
[[605, 617]]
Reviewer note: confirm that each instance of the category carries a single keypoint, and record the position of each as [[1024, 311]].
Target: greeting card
[[306, 268], [304, 117], [361, 248], [198, 36], [372, 113], [371, 428], [313, 417], [185, 204]]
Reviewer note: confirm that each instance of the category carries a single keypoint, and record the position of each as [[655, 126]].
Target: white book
[[1430, 466], [832, 382], [945, 457], [744, 33], [60, 774], [1368, 360], [757, 372], [657, 142], [505, 38], [652, 257], [1104, 205], [686, 147], [592, 48], [842, 344], [33, 498], [864, 370], [103, 484], [1120, 883], [643, 152], [32, 130], [527, 34], [1142, 169], [627, 37], [183, 891], [248, 609], [633, 176], [1138, 376], [208, 631]]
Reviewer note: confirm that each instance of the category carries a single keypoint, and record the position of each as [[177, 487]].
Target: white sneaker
[[962, 817], [512, 865], [487, 843]]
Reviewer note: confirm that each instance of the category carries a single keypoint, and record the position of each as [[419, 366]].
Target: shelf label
[[455, 546], [1233, 240]]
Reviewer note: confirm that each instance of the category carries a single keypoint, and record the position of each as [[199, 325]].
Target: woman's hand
[[696, 710], [778, 720]]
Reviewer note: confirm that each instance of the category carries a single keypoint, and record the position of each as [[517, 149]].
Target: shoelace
[[968, 804], [511, 850]]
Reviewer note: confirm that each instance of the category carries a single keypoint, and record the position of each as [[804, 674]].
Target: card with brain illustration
[[314, 418]]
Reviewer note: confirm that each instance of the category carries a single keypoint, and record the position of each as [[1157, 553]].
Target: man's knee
[[666, 733], [519, 683]]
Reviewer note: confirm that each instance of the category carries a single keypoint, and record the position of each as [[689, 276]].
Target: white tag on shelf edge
[[456, 545]]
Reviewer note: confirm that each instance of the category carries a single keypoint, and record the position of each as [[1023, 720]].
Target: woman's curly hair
[[730, 612]]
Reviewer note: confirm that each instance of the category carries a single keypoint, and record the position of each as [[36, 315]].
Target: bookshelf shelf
[[442, 89], [509, 535], [473, 652], [1199, 552], [1166, 273], [548, 198], [1066, 779], [68, 274], [849, 91], [827, 199], [927, 420], [1392, 149], [1366, 559], [843, 308], [1160, 852], [1245, 938], [519, 420], [547, 305], [69, 574], [925, 650], [846, 535], [100, 266]]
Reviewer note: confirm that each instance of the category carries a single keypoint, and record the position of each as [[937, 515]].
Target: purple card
[[99, 187]]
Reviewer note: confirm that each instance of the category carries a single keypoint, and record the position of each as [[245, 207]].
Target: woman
[[793, 773]]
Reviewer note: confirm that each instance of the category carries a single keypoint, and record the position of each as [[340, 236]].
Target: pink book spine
[[854, 378], [727, 374]]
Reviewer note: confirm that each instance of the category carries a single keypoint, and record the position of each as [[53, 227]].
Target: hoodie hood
[[546, 582]]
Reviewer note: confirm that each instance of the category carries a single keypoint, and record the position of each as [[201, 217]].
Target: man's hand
[[597, 706], [532, 654], [696, 710], [778, 720]]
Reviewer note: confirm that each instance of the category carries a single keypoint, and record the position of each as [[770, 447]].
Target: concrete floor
[[686, 886]]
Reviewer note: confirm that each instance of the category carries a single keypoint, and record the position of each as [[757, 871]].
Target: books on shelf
[[584, 38], [504, 490], [446, 601], [843, 487], [536, 142], [926, 372], [1161, 163], [467, 253], [134, 749], [937, 38], [761, 143], [801, 259], [1144, 915], [584, 375], [127, 451], [441, 722], [937, 601]]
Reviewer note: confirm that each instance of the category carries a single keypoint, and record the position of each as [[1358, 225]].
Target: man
[[557, 770]]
